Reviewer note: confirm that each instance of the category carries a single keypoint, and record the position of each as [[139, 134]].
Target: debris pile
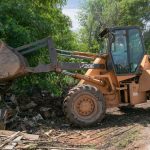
[[26, 113]]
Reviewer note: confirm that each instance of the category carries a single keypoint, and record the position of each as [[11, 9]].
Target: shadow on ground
[[114, 118]]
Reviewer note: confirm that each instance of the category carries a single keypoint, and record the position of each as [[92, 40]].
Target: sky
[[73, 4], [71, 10]]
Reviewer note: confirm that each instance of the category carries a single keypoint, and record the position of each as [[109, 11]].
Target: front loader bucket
[[12, 64]]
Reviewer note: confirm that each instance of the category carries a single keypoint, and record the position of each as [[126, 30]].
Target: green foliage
[[135, 12], [98, 14], [55, 83], [24, 21]]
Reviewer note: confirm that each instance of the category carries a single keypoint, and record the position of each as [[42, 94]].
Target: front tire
[[84, 106]]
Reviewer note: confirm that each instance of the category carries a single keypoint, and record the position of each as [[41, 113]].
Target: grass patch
[[127, 139]]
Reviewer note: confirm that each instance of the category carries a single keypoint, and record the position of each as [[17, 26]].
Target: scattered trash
[[29, 106], [48, 133], [26, 112], [45, 112], [2, 124], [6, 116], [37, 118]]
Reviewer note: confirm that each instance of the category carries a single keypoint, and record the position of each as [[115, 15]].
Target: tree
[[24, 21], [97, 14]]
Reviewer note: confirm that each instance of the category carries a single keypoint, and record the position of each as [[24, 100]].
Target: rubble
[[23, 118], [28, 106], [2, 124], [48, 133], [45, 112], [37, 118], [26, 112]]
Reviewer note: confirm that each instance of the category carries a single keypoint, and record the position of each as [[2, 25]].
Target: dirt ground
[[127, 129]]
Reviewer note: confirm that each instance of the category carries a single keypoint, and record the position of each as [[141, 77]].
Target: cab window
[[135, 48], [119, 52]]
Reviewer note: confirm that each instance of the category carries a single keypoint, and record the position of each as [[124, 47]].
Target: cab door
[[136, 49], [119, 52]]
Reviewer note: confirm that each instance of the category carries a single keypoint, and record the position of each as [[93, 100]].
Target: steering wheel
[[121, 67]]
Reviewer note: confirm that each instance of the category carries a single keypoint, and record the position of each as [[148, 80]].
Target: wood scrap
[[65, 148], [6, 133], [9, 139], [27, 146], [31, 137], [18, 139], [10, 147], [14, 140]]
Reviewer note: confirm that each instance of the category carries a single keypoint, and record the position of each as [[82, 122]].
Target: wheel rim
[[85, 106]]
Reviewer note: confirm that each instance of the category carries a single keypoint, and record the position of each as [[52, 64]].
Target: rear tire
[[84, 106]]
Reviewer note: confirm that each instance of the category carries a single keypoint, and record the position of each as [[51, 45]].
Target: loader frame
[[61, 67]]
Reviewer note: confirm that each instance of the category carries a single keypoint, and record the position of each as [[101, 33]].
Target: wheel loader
[[118, 75]]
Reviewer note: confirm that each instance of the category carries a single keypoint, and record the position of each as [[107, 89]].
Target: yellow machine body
[[133, 92]]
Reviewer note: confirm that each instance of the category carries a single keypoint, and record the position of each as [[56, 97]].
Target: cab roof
[[107, 30]]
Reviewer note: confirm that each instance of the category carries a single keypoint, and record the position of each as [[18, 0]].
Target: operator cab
[[125, 48]]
